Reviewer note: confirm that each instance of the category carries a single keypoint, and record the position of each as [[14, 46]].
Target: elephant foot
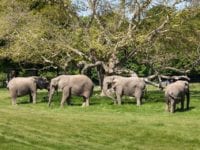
[[14, 104], [84, 104], [167, 108], [138, 102], [172, 111], [61, 106]]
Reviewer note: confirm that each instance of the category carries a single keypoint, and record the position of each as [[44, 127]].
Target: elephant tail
[[171, 95]]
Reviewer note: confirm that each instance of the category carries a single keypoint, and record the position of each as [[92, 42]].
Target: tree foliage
[[143, 37]]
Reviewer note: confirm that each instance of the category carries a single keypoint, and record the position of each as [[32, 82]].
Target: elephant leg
[[168, 107], [182, 103], [188, 100], [167, 101], [65, 96], [68, 101], [144, 93], [138, 95], [50, 95], [68, 96], [173, 106], [119, 101], [86, 102], [138, 101], [188, 103], [30, 98], [34, 97], [119, 95], [115, 101], [14, 98]]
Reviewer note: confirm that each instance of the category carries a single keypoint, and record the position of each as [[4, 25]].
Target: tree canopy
[[143, 36]]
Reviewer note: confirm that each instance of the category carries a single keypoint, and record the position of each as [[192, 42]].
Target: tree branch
[[155, 32]]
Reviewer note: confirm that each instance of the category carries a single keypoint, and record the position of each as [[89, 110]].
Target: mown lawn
[[101, 126]]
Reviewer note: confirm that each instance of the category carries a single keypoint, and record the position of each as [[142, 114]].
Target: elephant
[[129, 86], [175, 93], [79, 85], [20, 86], [107, 89]]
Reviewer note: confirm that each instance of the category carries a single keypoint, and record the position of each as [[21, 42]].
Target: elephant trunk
[[51, 92], [108, 91]]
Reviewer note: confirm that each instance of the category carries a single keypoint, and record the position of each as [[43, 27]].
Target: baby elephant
[[175, 93], [79, 85], [21, 86]]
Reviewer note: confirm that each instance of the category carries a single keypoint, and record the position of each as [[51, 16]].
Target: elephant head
[[107, 85], [42, 83]]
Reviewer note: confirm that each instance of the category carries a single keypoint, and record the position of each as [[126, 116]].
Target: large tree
[[115, 36]]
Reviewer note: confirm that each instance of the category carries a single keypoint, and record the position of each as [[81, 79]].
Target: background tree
[[120, 36]]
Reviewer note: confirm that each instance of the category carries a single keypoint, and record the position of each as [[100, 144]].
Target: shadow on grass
[[96, 99], [183, 110]]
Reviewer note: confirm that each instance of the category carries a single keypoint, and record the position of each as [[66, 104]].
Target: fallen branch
[[175, 77], [151, 83], [178, 70]]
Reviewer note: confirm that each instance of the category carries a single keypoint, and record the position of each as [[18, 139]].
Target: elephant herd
[[80, 85]]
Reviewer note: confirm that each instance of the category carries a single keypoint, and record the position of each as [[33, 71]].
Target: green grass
[[101, 126]]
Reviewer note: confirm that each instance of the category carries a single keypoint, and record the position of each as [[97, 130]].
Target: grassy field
[[101, 126]]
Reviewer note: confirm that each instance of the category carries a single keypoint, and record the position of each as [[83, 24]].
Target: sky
[[85, 11]]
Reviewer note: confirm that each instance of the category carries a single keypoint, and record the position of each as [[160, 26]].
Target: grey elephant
[[175, 93], [129, 86], [20, 86], [79, 85], [107, 89]]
